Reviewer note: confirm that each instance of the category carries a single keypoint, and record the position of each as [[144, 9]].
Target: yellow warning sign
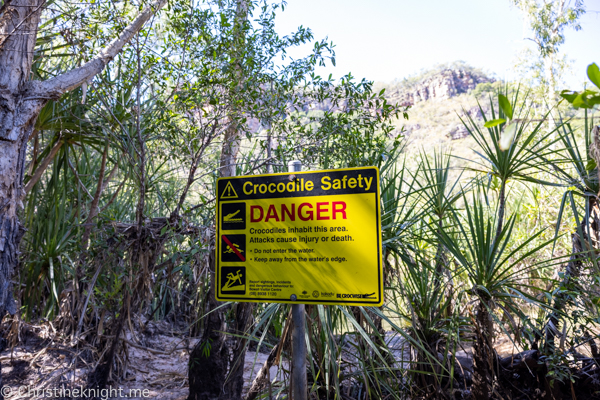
[[229, 192], [306, 237]]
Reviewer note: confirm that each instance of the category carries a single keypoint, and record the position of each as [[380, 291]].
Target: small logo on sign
[[304, 295], [229, 192], [233, 280], [356, 295], [316, 294]]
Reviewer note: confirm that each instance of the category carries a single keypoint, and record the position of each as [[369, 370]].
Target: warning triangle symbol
[[229, 192]]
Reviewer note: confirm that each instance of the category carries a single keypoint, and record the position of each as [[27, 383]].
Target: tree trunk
[[483, 360], [218, 373], [209, 358], [17, 116], [550, 79], [21, 100]]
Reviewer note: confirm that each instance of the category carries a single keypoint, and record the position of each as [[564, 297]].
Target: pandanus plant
[[511, 146], [496, 275], [439, 192]]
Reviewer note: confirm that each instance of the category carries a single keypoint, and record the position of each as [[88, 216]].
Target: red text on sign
[[304, 212]]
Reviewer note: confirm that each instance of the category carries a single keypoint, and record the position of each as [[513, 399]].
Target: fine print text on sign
[[302, 237]]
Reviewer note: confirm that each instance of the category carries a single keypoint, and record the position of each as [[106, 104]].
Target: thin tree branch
[[94, 206], [55, 87], [42, 167], [110, 176], [114, 197]]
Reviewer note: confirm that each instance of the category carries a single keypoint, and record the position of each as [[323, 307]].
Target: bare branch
[[55, 87], [42, 167], [114, 196]]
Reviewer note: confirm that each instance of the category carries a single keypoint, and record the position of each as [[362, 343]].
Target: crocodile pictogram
[[229, 217]]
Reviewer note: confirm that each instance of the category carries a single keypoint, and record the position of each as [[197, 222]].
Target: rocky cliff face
[[443, 85]]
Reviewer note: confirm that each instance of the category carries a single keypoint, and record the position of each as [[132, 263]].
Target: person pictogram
[[233, 280], [233, 248]]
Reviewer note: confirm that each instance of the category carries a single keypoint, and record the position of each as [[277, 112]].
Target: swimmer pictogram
[[233, 247]]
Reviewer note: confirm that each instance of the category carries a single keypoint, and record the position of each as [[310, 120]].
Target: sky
[[384, 40]]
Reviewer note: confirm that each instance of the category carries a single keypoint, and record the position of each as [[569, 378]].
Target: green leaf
[[586, 99], [505, 105], [591, 165], [494, 122], [593, 73], [569, 95], [581, 100]]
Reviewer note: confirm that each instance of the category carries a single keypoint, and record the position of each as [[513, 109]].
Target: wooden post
[[299, 381]]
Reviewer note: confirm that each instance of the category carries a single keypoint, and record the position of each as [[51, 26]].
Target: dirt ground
[[158, 370]]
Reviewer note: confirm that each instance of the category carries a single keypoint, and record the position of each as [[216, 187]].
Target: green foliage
[[484, 89], [520, 158], [163, 109], [549, 19], [489, 262], [586, 98]]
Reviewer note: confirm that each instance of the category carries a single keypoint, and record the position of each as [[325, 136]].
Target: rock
[[465, 360], [525, 360], [475, 113], [458, 132], [443, 85]]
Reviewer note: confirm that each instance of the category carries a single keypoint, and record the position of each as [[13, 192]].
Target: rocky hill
[[442, 85], [437, 99], [441, 82]]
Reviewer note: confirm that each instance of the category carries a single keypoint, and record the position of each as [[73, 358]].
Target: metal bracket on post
[[299, 381]]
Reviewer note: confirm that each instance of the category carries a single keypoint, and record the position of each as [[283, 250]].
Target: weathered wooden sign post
[[300, 238], [299, 381]]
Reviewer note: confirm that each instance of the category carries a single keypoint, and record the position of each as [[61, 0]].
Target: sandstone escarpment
[[442, 85]]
